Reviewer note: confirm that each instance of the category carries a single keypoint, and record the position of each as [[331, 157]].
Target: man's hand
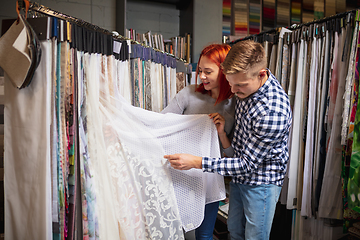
[[184, 161]]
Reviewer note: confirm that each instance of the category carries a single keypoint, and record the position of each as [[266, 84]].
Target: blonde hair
[[246, 57]]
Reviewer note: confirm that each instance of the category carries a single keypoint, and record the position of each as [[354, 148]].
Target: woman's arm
[[179, 103]]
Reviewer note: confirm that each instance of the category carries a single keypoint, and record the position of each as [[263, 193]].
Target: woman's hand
[[219, 122]]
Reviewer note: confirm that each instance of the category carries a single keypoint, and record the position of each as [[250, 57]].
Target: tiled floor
[[190, 235]]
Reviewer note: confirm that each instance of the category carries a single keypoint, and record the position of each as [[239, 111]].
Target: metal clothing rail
[[297, 26], [50, 12], [33, 6]]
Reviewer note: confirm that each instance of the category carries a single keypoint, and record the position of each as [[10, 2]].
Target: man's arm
[[184, 161]]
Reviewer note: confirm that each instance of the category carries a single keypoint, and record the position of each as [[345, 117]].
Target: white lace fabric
[[135, 194]]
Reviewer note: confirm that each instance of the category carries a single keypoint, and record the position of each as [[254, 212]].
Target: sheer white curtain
[[135, 195]]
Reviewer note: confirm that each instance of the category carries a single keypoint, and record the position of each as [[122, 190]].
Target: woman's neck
[[214, 93]]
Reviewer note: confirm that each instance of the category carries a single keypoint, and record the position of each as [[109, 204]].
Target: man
[[258, 167]]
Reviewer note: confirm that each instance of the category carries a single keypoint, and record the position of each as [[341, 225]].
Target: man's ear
[[262, 73]]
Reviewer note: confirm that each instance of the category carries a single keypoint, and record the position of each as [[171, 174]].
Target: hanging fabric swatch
[[27, 161], [353, 184]]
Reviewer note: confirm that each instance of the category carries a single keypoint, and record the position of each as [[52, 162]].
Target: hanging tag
[[68, 31], [117, 47], [61, 30], [349, 17], [129, 45]]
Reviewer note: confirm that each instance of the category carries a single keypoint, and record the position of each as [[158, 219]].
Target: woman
[[213, 96]]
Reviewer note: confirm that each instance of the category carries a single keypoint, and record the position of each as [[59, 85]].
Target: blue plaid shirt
[[260, 139]]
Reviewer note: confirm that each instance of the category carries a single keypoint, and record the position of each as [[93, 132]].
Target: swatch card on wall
[[295, 11], [268, 15], [254, 17], [226, 24], [241, 22], [283, 13]]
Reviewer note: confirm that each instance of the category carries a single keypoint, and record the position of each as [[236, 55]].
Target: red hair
[[216, 53]]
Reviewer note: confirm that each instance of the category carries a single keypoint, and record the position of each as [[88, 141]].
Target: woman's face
[[208, 73]]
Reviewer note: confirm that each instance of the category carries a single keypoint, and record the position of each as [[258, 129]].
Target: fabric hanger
[[19, 6], [35, 51], [20, 51], [34, 45]]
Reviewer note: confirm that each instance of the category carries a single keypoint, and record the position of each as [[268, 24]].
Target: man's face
[[243, 86]]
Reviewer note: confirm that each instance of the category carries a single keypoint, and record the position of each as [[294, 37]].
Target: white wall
[[159, 18], [207, 25]]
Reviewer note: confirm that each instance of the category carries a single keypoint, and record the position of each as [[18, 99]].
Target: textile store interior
[[312, 49]]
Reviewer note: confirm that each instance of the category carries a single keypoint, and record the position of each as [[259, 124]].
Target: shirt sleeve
[[229, 152], [266, 132], [178, 103]]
